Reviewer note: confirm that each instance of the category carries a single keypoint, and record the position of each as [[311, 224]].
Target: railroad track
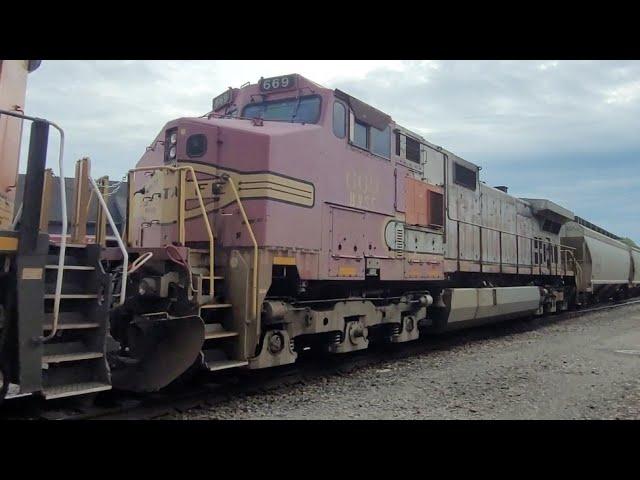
[[208, 390]]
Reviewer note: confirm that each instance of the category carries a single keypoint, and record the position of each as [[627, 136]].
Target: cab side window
[[361, 135], [339, 120], [380, 141], [370, 138], [407, 148]]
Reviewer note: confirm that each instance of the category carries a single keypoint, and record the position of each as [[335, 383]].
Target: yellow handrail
[[255, 248], [182, 217]]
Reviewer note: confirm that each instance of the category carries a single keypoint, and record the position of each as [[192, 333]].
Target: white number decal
[[275, 83]]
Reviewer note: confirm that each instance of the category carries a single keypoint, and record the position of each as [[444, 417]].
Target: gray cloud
[[509, 106]]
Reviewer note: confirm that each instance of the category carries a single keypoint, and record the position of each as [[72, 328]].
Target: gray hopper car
[[607, 267]]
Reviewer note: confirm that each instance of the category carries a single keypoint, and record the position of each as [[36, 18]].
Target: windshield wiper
[[295, 111]]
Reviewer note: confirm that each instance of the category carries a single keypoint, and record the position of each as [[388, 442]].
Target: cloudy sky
[[564, 130]]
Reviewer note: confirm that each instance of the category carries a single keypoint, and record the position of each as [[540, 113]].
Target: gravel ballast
[[587, 367]]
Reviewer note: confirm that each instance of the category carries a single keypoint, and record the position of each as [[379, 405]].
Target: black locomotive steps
[[74, 360], [70, 321]]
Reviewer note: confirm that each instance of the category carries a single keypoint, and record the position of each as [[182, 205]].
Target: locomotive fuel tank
[[464, 307]]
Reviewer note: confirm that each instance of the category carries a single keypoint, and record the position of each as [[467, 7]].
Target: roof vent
[[502, 188]]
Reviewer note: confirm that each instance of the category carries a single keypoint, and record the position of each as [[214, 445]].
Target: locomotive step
[[69, 321], [69, 245], [70, 267], [64, 296], [225, 364], [72, 389], [199, 250], [70, 357], [215, 330], [72, 326], [216, 305]]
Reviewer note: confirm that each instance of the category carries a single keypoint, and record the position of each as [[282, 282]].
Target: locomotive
[[295, 217]]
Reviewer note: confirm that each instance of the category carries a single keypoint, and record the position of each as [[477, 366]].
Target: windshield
[[296, 110]]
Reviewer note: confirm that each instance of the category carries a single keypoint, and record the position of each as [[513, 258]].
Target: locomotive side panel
[[434, 166], [509, 221], [491, 207], [463, 204], [498, 239], [525, 246]]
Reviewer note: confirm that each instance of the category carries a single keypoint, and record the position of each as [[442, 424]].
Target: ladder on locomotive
[[221, 349], [58, 294], [74, 350]]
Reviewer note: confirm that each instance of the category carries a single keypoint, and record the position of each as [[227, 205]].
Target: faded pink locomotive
[[296, 217]]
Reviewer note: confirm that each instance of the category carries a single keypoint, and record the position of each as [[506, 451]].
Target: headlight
[[172, 152], [174, 138]]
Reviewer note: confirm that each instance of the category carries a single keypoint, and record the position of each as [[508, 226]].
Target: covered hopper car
[[606, 267]]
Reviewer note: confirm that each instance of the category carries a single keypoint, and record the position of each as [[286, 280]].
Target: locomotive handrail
[[206, 222], [63, 207], [181, 216], [519, 235], [577, 264], [116, 234], [255, 249]]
